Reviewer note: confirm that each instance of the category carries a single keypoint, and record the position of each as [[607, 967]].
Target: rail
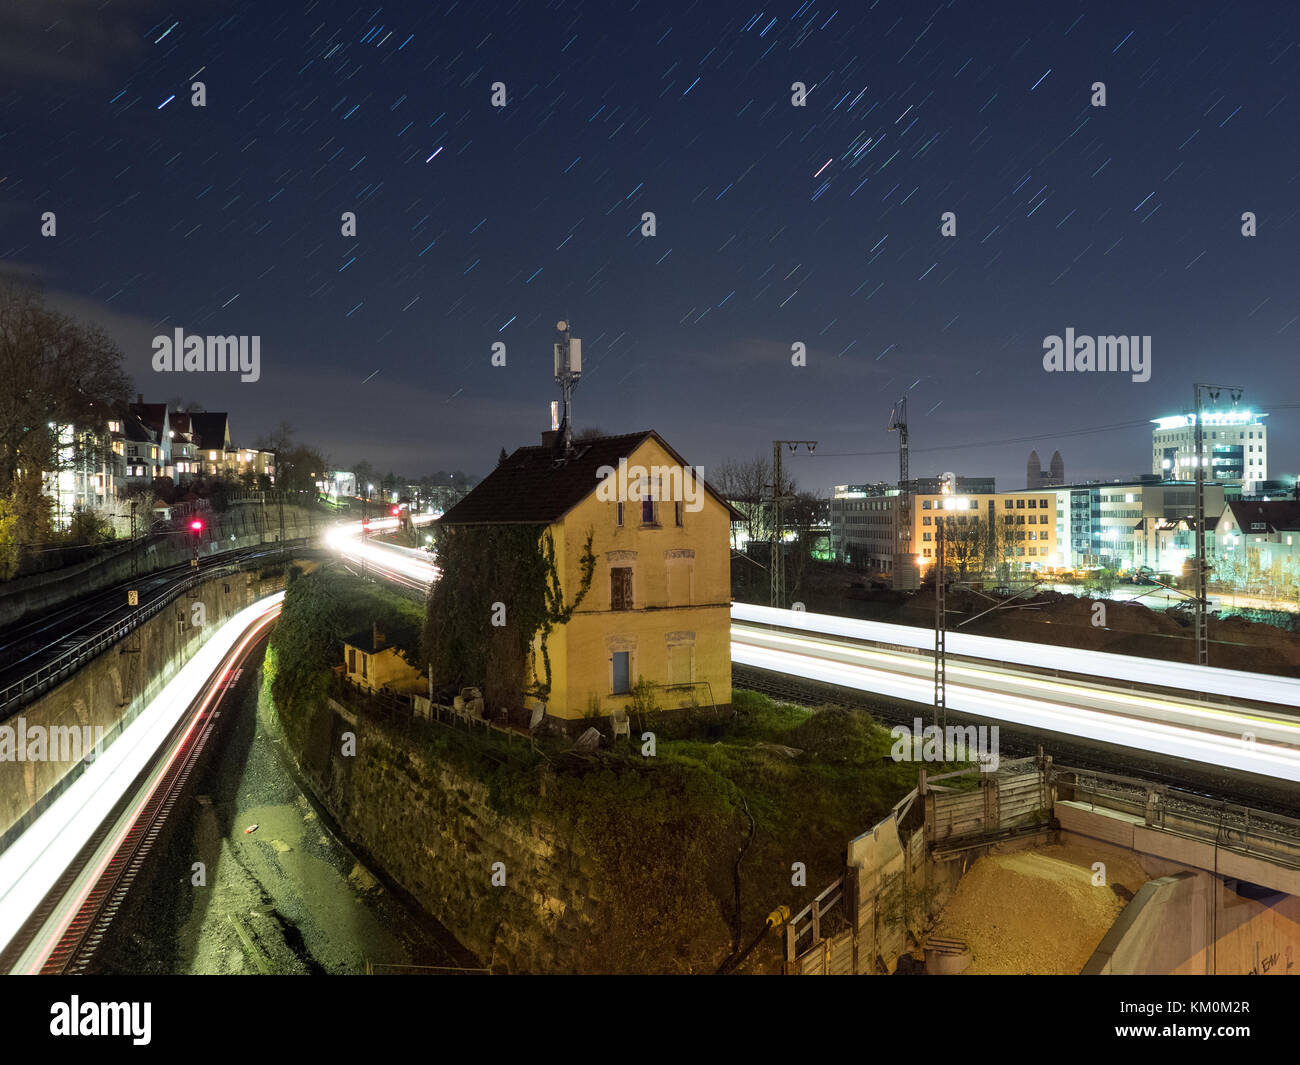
[[23, 691], [1271, 836]]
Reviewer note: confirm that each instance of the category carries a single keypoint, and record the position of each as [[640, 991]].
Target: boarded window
[[620, 588], [681, 663], [679, 583]]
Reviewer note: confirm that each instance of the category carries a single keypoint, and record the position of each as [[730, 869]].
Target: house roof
[[538, 486], [153, 415], [1277, 514], [136, 431], [209, 429], [180, 423], [396, 636]]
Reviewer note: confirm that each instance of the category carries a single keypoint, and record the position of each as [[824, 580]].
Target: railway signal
[[196, 527]]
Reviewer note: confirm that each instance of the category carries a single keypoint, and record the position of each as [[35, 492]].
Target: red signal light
[[196, 525], [396, 511]]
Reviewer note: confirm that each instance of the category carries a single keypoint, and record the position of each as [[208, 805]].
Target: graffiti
[[1268, 962]]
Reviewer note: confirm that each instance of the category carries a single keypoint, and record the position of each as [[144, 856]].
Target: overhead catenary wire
[[1025, 439]]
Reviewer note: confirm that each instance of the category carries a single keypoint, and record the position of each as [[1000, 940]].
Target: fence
[[859, 924], [1015, 797], [402, 713], [23, 691]]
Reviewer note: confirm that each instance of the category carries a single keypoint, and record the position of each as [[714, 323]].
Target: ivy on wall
[[499, 588]]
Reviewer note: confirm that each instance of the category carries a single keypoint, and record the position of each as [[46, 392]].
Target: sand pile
[[1037, 911]]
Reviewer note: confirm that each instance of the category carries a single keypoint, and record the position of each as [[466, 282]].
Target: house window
[[352, 659], [620, 514], [620, 588], [647, 512], [364, 672], [622, 670], [677, 513]]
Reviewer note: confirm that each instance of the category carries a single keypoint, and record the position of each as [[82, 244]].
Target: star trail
[[500, 160]]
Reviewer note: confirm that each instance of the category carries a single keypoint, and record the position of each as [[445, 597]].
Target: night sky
[[776, 224]]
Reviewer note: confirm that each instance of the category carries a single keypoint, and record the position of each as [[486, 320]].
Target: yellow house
[[1025, 520], [372, 664], [659, 604]]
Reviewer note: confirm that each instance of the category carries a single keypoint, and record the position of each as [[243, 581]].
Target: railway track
[[66, 928], [1016, 742]]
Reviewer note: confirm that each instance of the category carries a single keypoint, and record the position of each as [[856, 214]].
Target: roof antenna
[[568, 368]]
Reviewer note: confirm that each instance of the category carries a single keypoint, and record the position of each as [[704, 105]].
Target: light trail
[[1156, 737], [407, 566], [1148, 672], [33, 863], [1200, 713]]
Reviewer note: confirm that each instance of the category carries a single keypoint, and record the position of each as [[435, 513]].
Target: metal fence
[[53, 672]]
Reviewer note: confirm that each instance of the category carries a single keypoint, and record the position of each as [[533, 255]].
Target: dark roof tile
[[537, 486]]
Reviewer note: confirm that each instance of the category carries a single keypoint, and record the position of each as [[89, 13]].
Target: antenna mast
[[568, 368]]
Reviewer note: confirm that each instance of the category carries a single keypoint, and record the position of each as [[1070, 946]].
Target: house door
[[621, 679]]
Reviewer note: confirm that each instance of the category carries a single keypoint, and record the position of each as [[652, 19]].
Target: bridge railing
[[53, 672], [1264, 834]]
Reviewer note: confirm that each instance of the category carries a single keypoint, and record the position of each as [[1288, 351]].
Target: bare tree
[[747, 486]]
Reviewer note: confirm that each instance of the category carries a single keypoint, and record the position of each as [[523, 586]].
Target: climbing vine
[[556, 612], [500, 586]]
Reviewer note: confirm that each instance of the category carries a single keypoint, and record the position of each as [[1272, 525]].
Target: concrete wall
[[113, 688], [1210, 910], [435, 832], [44, 591], [1162, 930]]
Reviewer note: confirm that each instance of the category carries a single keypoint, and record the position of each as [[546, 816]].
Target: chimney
[[139, 398], [550, 437], [379, 638]]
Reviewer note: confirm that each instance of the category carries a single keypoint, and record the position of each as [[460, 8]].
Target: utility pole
[[905, 575], [940, 615], [1202, 565], [779, 497], [568, 368]]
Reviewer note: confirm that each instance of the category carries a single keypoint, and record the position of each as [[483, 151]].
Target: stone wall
[[433, 829], [114, 687]]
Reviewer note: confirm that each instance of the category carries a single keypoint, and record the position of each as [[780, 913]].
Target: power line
[[990, 443], [1027, 439]]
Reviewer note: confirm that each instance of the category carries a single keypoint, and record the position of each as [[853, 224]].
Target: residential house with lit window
[[211, 432], [90, 473], [1257, 543], [659, 604]]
